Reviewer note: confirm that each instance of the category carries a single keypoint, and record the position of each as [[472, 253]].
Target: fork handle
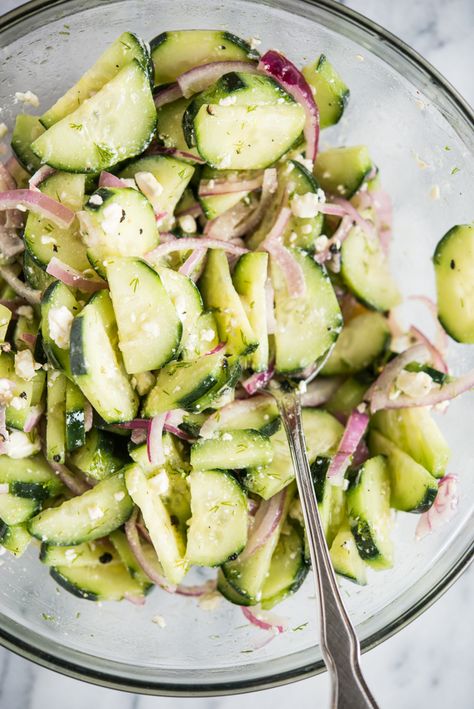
[[338, 640]]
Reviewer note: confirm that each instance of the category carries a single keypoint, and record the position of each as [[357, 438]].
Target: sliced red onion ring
[[167, 94], [227, 413], [138, 436], [436, 356], [441, 339], [276, 232], [352, 436], [253, 506], [29, 294], [29, 338], [201, 77], [174, 153], [337, 239], [258, 380], [197, 590], [154, 441], [40, 175], [136, 600], [320, 391], [194, 264], [292, 271], [266, 521], [361, 454], [216, 349], [342, 207], [289, 76], [88, 417], [38, 203], [437, 395], [265, 620], [227, 225], [191, 243], [377, 394], [209, 188], [443, 509], [147, 567], [71, 481], [135, 423], [73, 278], [106, 179], [172, 422]]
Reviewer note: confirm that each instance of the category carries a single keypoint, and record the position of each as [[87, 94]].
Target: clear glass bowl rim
[[16, 644]]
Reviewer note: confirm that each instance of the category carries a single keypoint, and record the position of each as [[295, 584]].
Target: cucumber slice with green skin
[[100, 134], [56, 417], [75, 417], [96, 362], [250, 134], [230, 593], [173, 53], [365, 271], [27, 129], [27, 394], [203, 337], [120, 53], [16, 510], [97, 582], [368, 503], [288, 567], [180, 384], [214, 205], [169, 129], [454, 270], [187, 302], [173, 176], [29, 477], [168, 541], [249, 279], [100, 553], [122, 547], [331, 499], [232, 449], [35, 277], [322, 434], [413, 488], [224, 388], [102, 455], [14, 538], [43, 239], [361, 341], [347, 397], [345, 557], [330, 92], [417, 434], [24, 326], [175, 451], [150, 340], [262, 416], [305, 333], [220, 295], [89, 516], [342, 171], [56, 303], [218, 526], [117, 222], [5, 318]]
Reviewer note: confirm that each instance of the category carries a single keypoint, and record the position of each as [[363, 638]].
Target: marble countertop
[[429, 663]]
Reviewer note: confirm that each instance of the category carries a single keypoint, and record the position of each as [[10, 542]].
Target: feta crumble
[[208, 335], [321, 243], [27, 97], [118, 496], [227, 101], [6, 391], [187, 224], [25, 365], [160, 482], [26, 311], [151, 188], [112, 216], [4, 488], [254, 42], [96, 199], [414, 384], [60, 323], [305, 205], [95, 512], [225, 162], [159, 620]]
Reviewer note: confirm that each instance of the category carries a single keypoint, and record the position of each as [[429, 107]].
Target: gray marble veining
[[429, 663]]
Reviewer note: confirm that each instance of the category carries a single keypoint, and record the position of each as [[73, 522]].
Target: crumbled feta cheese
[[302, 387], [306, 162], [95, 512], [60, 323], [4, 488], [225, 162], [3, 130], [254, 42], [18, 403], [112, 217], [187, 224], [321, 243], [435, 192], [119, 496], [210, 601], [26, 311], [305, 205], [159, 620], [6, 391], [21, 208], [25, 365], [401, 343], [45, 239], [27, 97], [362, 408], [420, 104], [422, 164], [151, 188], [227, 437], [306, 229], [21, 445], [160, 482], [129, 182], [293, 237], [208, 335], [227, 101], [70, 554], [96, 199], [144, 382], [414, 384], [360, 57]]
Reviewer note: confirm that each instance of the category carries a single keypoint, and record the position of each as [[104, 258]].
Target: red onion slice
[[194, 264], [292, 271], [258, 380], [289, 76], [354, 431], [216, 349], [39, 176], [436, 356], [154, 442], [266, 521], [320, 391], [201, 77], [191, 243], [167, 94], [136, 600], [174, 153], [38, 203], [437, 395], [265, 620], [73, 278], [29, 294], [441, 339], [33, 418], [145, 564], [209, 188], [106, 179], [443, 509], [342, 207], [337, 239], [75, 484], [197, 590], [378, 393]]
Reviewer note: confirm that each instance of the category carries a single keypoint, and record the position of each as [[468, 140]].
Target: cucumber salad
[[171, 238]]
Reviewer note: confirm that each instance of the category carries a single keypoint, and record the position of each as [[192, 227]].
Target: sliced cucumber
[[203, 337], [223, 391], [330, 91], [100, 553], [97, 582], [120, 53], [56, 417], [218, 526], [231, 449], [173, 53], [288, 567], [34, 275], [101, 455], [345, 557], [58, 308], [27, 129], [121, 545], [417, 434], [261, 416], [96, 363], [368, 503], [342, 171], [92, 515], [99, 133], [322, 434], [187, 301], [454, 269], [361, 341], [169, 543], [27, 395], [16, 510], [214, 205], [5, 319], [181, 384], [365, 271], [250, 278], [169, 129], [413, 488], [29, 477], [148, 326], [75, 417], [304, 333], [331, 499], [117, 222], [14, 538], [348, 396], [44, 239]]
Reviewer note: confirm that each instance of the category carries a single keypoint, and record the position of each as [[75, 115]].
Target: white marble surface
[[429, 663]]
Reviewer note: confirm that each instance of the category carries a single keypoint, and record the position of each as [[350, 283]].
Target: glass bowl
[[421, 135]]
